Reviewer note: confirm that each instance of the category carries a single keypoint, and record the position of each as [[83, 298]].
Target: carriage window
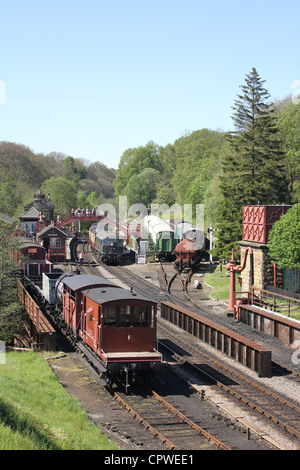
[[146, 315], [109, 316], [105, 316], [90, 314], [137, 316], [142, 315], [112, 315], [124, 316]]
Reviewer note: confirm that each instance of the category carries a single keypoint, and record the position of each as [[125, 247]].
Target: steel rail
[[148, 426], [190, 423], [230, 391], [220, 445], [233, 393]]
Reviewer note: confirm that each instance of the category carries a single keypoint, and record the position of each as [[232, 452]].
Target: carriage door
[[99, 328], [72, 311], [66, 306]]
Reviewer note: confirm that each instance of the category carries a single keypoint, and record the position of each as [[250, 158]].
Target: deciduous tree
[[289, 128], [284, 240], [63, 193]]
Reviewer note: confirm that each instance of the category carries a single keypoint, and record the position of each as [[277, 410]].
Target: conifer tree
[[253, 166]]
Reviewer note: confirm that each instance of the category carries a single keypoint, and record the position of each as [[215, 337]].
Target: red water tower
[[258, 221]]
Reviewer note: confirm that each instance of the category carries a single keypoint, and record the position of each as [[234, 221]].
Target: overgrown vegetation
[[36, 413], [11, 312]]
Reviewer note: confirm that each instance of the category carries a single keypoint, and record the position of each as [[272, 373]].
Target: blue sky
[[93, 78]]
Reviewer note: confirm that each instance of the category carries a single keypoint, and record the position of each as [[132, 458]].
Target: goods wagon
[[114, 327], [191, 249]]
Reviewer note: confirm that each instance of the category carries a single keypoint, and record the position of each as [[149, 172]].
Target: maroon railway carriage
[[72, 287], [120, 327]]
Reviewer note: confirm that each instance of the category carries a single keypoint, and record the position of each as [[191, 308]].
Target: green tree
[[99, 178], [289, 128], [73, 169], [141, 188], [133, 162], [10, 308], [8, 198], [198, 155], [93, 200], [63, 193], [284, 240], [253, 165], [166, 193]]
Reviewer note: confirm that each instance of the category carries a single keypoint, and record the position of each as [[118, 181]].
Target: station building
[[38, 214]]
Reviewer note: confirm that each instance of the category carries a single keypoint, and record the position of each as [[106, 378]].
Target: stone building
[[29, 221], [38, 214], [43, 205]]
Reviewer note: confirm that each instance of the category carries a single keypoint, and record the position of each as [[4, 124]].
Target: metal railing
[[275, 302]]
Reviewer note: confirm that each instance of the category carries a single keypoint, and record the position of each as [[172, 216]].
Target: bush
[[284, 240]]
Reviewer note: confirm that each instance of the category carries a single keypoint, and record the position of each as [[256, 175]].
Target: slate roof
[[32, 213], [103, 295], [53, 229], [82, 281], [27, 242]]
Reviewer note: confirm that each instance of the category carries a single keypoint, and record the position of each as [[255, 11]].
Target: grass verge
[[219, 281], [36, 413]]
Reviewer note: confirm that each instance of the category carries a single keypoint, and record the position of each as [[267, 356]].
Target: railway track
[[277, 410], [168, 423], [246, 393], [183, 281], [280, 366]]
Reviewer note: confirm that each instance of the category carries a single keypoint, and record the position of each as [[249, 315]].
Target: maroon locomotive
[[114, 327]]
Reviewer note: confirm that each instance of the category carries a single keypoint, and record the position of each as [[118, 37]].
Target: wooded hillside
[[259, 162], [71, 182]]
